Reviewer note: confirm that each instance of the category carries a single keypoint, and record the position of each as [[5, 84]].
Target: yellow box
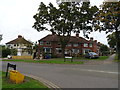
[[16, 76]]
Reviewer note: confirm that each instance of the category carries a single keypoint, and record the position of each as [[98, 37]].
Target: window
[[58, 50], [76, 51], [41, 42], [86, 51], [69, 45], [90, 45], [85, 45], [47, 50], [75, 45], [59, 44], [48, 43]]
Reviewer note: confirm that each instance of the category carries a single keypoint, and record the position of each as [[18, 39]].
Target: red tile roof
[[19, 40], [73, 39]]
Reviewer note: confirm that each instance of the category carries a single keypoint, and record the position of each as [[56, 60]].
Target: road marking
[[90, 70], [45, 82], [99, 71]]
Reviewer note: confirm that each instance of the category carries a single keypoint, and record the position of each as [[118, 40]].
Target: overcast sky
[[16, 18]]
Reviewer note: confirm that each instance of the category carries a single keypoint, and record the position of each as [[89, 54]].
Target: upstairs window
[[75, 45], [85, 44], [59, 43], [90, 45], [48, 43], [41, 42], [69, 44]]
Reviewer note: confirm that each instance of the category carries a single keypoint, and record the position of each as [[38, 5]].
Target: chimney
[[53, 33], [91, 39], [98, 42], [77, 34], [95, 41], [19, 36]]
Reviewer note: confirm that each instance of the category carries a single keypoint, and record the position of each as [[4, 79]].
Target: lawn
[[116, 58], [28, 83], [100, 58], [49, 61], [76, 60]]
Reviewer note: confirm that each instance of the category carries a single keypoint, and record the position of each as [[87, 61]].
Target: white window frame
[[85, 44], [75, 44], [57, 50], [41, 43], [48, 43], [90, 45]]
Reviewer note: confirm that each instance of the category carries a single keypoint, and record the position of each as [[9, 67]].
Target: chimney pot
[[95, 41], [19, 36], [91, 38], [77, 34]]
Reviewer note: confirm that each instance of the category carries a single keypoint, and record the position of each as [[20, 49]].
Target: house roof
[[19, 40], [73, 39]]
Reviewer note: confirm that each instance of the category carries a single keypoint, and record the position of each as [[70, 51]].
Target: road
[[72, 76]]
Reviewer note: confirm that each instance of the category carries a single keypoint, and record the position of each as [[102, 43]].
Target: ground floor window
[[75, 51], [47, 50], [86, 51], [58, 50]]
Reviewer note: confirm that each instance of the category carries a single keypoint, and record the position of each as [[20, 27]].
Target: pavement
[[110, 60], [88, 75]]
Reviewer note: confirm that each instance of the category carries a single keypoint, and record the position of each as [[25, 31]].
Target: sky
[[16, 18]]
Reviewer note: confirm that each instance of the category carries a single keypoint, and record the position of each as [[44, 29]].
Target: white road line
[[90, 70]]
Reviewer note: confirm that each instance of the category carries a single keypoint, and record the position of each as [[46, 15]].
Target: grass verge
[[49, 61], [116, 58], [28, 83], [100, 58]]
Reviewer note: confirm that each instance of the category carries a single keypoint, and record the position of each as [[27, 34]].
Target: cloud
[[16, 18]]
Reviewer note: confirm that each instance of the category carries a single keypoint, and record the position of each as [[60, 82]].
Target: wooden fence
[[22, 57]]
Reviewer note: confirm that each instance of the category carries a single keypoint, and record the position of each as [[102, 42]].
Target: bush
[[6, 52]]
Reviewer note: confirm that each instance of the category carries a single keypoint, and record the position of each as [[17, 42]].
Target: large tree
[[108, 19], [67, 18], [104, 49], [111, 40]]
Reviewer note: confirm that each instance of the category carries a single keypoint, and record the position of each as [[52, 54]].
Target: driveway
[[73, 76]]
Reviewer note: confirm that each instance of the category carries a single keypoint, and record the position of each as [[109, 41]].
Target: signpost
[[10, 65]]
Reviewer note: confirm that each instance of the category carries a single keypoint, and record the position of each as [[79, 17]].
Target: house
[[76, 45], [22, 46]]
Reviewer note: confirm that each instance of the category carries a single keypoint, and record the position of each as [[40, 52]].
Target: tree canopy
[[111, 40], [108, 19], [67, 18]]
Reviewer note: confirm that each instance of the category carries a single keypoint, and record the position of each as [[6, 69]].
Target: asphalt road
[[72, 76]]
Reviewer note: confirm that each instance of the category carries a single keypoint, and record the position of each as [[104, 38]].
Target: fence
[[22, 57]]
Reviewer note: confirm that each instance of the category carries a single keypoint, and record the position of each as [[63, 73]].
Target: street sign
[[10, 65]]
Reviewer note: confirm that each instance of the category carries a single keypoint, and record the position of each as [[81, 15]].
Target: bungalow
[[22, 46], [77, 45]]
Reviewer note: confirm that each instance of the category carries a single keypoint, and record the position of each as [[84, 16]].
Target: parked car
[[91, 55]]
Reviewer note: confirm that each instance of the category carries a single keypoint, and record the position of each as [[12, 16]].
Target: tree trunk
[[118, 43], [63, 53]]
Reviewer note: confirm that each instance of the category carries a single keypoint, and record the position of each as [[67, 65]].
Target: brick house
[[77, 45], [22, 46]]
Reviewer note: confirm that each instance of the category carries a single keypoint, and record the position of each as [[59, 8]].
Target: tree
[[108, 19], [67, 18], [5, 51], [104, 49], [111, 40]]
